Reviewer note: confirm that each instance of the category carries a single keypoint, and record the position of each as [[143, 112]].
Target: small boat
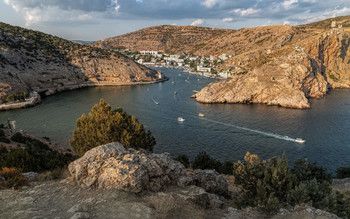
[[299, 140], [201, 114], [155, 101], [180, 119], [175, 93], [173, 82]]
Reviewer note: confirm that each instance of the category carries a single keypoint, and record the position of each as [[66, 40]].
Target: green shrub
[[13, 178], [204, 161], [182, 158], [2, 133], [18, 137], [103, 126], [303, 170], [4, 139], [35, 156], [270, 185], [343, 172]]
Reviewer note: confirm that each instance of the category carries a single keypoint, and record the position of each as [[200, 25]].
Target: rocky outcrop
[[289, 76], [113, 167]]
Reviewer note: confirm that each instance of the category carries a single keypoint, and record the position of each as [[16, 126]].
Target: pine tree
[[104, 125]]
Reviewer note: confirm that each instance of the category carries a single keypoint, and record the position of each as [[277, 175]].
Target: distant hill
[[170, 38], [326, 24], [32, 60], [82, 41]]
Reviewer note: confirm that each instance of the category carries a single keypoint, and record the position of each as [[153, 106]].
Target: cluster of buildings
[[200, 65]]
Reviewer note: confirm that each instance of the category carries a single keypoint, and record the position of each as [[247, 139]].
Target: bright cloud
[[227, 19], [210, 3], [197, 22], [246, 12]]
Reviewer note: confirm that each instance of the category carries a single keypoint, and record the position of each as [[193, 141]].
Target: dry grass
[[12, 178], [59, 173]]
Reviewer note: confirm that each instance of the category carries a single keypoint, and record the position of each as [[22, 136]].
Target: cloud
[[197, 22], [210, 3], [227, 19], [288, 4], [246, 12], [45, 11], [179, 11]]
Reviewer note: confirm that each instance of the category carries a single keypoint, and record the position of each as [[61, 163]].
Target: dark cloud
[[224, 10], [82, 5]]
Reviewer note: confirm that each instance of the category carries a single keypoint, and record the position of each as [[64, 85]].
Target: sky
[[92, 20]]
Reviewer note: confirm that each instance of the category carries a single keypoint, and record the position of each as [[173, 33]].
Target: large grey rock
[[30, 175], [212, 182], [111, 166]]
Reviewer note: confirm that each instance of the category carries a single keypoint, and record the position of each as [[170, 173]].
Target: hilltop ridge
[[170, 38]]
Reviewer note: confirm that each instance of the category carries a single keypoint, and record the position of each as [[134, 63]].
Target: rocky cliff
[[287, 76], [31, 60], [170, 38]]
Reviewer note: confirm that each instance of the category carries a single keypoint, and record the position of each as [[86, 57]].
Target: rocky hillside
[[325, 24], [170, 38], [287, 76], [31, 60]]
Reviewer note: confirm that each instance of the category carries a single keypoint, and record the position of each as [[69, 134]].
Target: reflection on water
[[227, 131]]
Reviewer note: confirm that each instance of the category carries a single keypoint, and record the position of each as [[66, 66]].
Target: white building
[[193, 58], [223, 57], [141, 61], [203, 69], [152, 52], [225, 74]]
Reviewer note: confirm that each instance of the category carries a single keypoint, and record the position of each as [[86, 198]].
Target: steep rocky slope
[[250, 39], [286, 76], [31, 60], [170, 38]]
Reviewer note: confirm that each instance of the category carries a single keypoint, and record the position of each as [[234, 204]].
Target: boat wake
[[286, 138]]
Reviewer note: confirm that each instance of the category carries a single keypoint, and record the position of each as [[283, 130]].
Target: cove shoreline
[[31, 102]]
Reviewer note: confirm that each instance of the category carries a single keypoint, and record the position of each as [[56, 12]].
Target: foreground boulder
[[111, 166]]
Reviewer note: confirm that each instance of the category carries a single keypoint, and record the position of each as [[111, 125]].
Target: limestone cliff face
[[31, 60], [332, 52], [288, 76]]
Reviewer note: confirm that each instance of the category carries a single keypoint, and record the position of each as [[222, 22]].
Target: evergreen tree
[[103, 125]]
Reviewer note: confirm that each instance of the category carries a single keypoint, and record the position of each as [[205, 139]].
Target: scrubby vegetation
[[12, 178], [34, 156], [271, 184], [104, 125], [343, 172]]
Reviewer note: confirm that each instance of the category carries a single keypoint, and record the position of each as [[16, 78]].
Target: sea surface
[[226, 132]]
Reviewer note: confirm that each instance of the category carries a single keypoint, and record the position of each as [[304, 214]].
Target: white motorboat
[[299, 140], [180, 119]]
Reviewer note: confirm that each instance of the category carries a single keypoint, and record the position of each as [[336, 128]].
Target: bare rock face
[[113, 167], [212, 182], [286, 76]]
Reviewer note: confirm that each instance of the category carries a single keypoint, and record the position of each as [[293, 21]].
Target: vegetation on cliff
[[104, 125]]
